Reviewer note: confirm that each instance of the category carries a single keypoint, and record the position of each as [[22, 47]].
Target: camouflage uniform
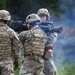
[[7, 49], [34, 44], [49, 66]]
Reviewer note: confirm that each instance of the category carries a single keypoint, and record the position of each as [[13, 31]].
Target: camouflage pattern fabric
[[31, 67], [33, 41], [6, 67], [6, 34], [34, 44], [47, 72], [7, 50], [49, 66]]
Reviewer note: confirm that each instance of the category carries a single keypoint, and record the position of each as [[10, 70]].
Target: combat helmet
[[5, 15], [32, 17], [43, 11]]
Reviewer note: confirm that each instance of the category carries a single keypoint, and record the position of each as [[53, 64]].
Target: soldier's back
[[36, 43], [6, 62], [5, 43], [34, 48]]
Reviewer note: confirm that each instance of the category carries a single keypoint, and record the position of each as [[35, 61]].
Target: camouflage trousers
[[6, 67], [31, 67], [49, 67], [48, 72]]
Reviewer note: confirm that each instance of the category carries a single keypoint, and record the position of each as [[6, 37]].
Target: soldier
[[9, 45], [49, 65], [34, 43]]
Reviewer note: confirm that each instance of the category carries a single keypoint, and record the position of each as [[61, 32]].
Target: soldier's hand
[[16, 64]]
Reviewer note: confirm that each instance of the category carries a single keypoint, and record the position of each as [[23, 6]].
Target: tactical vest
[[5, 43], [35, 46]]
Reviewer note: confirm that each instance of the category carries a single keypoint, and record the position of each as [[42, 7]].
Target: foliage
[[21, 8], [67, 69], [3, 4]]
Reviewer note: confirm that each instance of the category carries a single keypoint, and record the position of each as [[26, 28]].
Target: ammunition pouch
[[47, 52]]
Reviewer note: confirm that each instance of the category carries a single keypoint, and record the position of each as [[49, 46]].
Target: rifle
[[18, 26], [49, 27]]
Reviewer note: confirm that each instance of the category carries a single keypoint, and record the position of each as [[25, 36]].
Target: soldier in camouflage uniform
[[34, 43], [9, 44], [49, 65]]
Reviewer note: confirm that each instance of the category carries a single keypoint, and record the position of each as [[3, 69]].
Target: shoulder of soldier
[[12, 33], [23, 33], [39, 30]]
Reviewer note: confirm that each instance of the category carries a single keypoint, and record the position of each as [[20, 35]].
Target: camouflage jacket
[[33, 41], [9, 43]]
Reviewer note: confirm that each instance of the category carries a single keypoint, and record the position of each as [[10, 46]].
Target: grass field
[[66, 69]]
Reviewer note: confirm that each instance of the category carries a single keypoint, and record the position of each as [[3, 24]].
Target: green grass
[[66, 69]]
